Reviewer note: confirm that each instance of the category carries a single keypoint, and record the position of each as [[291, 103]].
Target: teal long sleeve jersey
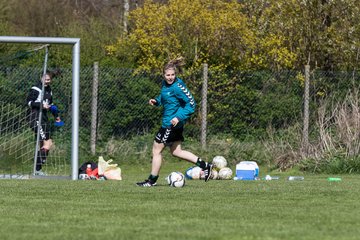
[[177, 101]]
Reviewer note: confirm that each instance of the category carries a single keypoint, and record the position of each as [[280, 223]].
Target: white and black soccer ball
[[176, 179], [219, 162], [225, 173]]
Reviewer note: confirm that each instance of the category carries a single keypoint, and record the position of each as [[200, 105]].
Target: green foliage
[[252, 101], [94, 35], [129, 108], [323, 33], [12, 89], [280, 104], [251, 35], [202, 31], [335, 164], [94, 23], [272, 34]]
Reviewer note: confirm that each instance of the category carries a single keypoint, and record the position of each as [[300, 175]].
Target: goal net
[[18, 142]]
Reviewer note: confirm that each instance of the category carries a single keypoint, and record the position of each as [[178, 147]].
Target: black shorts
[[44, 128], [169, 135]]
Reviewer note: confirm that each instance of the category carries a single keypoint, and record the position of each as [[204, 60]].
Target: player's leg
[[156, 158], [38, 161], [44, 150], [33, 124], [177, 151], [155, 165], [45, 145], [158, 147]]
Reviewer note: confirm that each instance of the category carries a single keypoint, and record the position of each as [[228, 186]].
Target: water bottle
[[275, 177], [89, 170], [334, 179], [295, 178], [268, 178]]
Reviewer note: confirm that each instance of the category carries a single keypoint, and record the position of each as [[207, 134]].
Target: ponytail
[[54, 73], [175, 64]]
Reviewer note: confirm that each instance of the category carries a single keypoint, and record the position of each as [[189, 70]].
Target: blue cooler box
[[247, 170]]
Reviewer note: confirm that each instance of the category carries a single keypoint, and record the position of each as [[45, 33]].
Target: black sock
[[38, 161], [43, 154], [200, 163], [153, 179]]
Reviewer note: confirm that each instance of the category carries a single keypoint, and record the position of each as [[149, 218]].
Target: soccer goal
[[18, 147]]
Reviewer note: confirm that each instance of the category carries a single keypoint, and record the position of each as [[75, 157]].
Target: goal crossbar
[[75, 42]]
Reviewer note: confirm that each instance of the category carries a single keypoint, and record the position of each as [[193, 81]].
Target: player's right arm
[[155, 101], [33, 98]]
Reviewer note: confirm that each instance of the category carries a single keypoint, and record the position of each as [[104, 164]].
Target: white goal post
[[75, 42]]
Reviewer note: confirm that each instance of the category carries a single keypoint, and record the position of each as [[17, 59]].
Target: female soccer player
[[33, 101], [178, 104]]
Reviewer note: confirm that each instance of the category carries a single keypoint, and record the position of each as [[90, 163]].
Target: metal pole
[[204, 106], [305, 140], [37, 147], [75, 111], [94, 108]]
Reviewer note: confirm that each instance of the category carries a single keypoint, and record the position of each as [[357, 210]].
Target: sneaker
[[40, 173], [208, 171], [146, 183]]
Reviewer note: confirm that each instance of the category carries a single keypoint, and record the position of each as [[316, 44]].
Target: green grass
[[227, 209]]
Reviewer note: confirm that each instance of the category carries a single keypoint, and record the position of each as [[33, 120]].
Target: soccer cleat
[[40, 173], [146, 183], [208, 171]]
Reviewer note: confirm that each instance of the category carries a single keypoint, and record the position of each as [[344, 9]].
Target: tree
[[200, 30], [93, 21], [322, 31]]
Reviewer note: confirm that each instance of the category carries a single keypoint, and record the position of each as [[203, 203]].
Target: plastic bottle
[[275, 177], [295, 178], [268, 178], [89, 170], [334, 179]]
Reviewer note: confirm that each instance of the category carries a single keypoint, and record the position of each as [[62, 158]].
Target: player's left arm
[[54, 110]]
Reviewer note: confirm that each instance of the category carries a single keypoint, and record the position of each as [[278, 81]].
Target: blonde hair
[[175, 64]]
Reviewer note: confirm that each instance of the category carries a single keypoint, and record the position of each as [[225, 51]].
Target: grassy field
[[220, 209]]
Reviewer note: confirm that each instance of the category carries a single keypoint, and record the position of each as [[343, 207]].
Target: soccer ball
[[176, 179], [225, 173], [219, 162], [214, 174], [196, 172], [189, 173]]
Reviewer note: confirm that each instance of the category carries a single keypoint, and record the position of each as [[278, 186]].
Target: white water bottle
[[268, 178], [295, 178]]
